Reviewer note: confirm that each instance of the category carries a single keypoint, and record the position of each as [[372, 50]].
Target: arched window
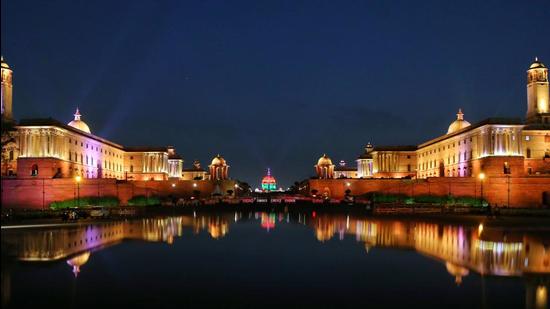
[[34, 170]]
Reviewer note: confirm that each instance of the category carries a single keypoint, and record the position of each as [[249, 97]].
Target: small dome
[[324, 160], [4, 63], [78, 261], [537, 64], [79, 124], [218, 160], [459, 123]]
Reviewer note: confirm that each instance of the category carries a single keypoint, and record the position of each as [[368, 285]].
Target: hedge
[[141, 200], [109, 201], [428, 199]]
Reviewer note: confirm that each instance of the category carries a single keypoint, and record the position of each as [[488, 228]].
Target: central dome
[[324, 160], [268, 182], [79, 124], [459, 123]]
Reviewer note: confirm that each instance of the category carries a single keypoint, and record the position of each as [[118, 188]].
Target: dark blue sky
[[272, 83]]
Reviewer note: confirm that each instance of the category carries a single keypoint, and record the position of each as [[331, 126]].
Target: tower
[[7, 92], [538, 105]]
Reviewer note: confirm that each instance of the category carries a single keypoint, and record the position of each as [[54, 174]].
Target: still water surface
[[268, 259]]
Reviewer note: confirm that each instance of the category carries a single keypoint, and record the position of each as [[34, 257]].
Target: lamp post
[[481, 179], [146, 191], [78, 179]]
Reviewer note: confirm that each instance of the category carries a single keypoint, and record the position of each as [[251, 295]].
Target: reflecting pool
[[257, 259]]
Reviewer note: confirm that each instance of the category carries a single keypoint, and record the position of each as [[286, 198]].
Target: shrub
[[141, 200], [109, 201]]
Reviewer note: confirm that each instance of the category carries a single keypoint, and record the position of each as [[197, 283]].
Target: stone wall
[[39, 193], [502, 191]]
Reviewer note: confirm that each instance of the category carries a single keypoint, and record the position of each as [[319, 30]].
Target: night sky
[[272, 83]]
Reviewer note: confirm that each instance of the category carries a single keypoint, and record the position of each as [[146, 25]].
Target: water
[[292, 260]]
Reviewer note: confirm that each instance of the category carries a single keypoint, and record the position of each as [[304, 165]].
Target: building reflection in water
[[460, 248]]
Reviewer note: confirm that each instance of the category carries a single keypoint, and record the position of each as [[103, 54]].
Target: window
[[408, 167], [81, 159], [527, 138], [408, 157], [131, 168], [34, 170], [11, 155], [131, 157], [70, 156], [528, 153]]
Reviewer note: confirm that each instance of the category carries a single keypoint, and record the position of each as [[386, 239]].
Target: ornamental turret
[[538, 104], [7, 92]]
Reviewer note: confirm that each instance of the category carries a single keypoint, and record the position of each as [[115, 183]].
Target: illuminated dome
[[324, 160], [268, 182], [78, 261], [79, 124], [4, 64], [457, 271], [459, 123], [535, 65], [218, 160]]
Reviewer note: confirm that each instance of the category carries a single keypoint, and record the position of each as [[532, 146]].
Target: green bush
[[108, 201], [141, 200], [428, 199]]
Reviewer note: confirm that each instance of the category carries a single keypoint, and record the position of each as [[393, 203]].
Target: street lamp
[[481, 179], [78, 179]]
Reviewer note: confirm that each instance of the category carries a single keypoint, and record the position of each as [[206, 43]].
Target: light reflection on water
[[460, 248]]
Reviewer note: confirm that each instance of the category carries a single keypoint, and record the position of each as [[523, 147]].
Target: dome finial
[[268, 171], [77, 114], [460, 114], [536, 59]]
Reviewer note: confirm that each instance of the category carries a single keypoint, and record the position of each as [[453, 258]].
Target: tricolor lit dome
[[79, 124], [459, 123], [268, 182]]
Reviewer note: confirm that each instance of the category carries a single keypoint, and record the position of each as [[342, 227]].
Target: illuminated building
[[268, 182], [344, 171], [47, 148], [365, 163], [219, 168], [496, 146], [196, 172], [175, 163], [324, 167]]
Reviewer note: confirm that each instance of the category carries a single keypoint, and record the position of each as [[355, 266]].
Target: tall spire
[[460, 115], [77, 115], [268, 171]]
